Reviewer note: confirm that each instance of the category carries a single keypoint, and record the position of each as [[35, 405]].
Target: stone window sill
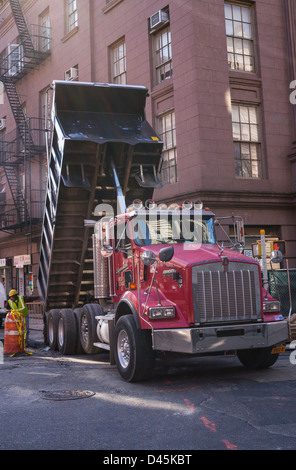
[[70, 34], [111, 5]]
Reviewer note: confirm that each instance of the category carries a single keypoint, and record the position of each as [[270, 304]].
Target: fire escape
[[28, 139]]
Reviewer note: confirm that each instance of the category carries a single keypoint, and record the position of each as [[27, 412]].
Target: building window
[[72, 15], [163, 55], [118, 63], [247, 145], [240, 37], [15, 59], [167, 132], [2, 127], [45, 108], [45, 32]]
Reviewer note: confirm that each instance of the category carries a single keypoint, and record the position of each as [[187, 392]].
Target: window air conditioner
[[2, 124], [159, 19], [71, 74]]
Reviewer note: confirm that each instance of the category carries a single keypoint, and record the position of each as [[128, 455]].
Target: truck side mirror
[[276, 256], [166, 254], [148, 258], [240, 232], [106, 251]]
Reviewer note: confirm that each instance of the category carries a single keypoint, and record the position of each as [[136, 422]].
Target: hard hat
[[12, 293]]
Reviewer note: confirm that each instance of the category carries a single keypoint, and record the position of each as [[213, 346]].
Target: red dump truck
[[119, 272]]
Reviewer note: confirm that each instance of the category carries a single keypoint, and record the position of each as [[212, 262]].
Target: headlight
[[271, 306], [161, 312]]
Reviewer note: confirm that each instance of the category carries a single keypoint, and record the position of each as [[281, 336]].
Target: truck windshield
[[159, 229]]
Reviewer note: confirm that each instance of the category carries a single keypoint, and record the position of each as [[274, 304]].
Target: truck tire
[[52, 329], [88, 328], [77, 314], [133, 350], [257, 358], [67, 332]]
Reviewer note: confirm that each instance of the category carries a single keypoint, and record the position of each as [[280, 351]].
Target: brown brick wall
[[200, 92]]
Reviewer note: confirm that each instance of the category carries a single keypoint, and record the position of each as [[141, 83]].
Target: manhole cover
[[66, 394]]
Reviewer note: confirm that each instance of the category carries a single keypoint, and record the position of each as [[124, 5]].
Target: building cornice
[[242, 199]]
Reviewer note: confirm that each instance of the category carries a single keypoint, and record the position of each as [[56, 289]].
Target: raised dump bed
[[99, 131]]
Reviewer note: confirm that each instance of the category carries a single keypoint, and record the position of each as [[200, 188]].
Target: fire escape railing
[[32, 49], [24, 207]]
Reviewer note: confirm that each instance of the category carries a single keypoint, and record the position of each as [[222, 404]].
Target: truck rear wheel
[[257, 358], [88, 328], [77, 315], [67, 332], [133, 350], [52, 329]]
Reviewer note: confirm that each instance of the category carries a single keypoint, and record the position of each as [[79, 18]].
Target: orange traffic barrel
[[14, 333]]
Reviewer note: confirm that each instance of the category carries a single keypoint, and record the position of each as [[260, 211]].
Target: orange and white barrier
[[14, 333]]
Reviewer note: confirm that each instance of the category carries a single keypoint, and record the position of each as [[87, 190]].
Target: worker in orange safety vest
[[16, 302]]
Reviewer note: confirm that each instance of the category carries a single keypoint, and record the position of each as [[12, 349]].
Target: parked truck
[[119, 272]]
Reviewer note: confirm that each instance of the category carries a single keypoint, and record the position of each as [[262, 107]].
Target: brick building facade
[[221, 76]]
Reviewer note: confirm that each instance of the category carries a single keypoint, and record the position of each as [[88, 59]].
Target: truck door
[[124, 263]]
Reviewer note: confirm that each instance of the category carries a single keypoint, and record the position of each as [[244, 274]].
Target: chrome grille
[[220, 296]]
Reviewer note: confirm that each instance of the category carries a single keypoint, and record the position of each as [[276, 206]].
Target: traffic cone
[[14, 333]]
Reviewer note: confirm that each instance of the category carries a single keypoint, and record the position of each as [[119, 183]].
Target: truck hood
[[190, 254]]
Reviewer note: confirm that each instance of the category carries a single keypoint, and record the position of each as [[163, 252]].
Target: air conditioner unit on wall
[[71, 74], [159, 19], [2, 124]]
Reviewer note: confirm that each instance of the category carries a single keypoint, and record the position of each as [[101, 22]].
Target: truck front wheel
[[133, 350], [257, 358]]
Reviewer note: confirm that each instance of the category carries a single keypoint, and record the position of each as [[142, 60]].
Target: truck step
[[102, 346]]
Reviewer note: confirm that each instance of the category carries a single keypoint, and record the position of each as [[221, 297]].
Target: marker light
[[198, 205], [150, 204], [187, 205], [174, 206], [163, 207], [137, 204]]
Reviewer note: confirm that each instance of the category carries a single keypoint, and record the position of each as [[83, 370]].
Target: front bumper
[[205, 340]]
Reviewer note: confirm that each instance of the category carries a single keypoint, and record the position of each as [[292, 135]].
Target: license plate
[[278, 349]]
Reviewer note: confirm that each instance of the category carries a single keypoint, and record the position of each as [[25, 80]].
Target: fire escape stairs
[[22, 28], [31, 58], [17, 194], [30, 52]]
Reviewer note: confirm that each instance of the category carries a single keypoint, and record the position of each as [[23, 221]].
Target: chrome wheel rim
[[61, 334], [50, 330], [84, 329], [123, 349]]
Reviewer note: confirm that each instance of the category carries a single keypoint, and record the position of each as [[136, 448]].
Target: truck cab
[[183, 292]]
